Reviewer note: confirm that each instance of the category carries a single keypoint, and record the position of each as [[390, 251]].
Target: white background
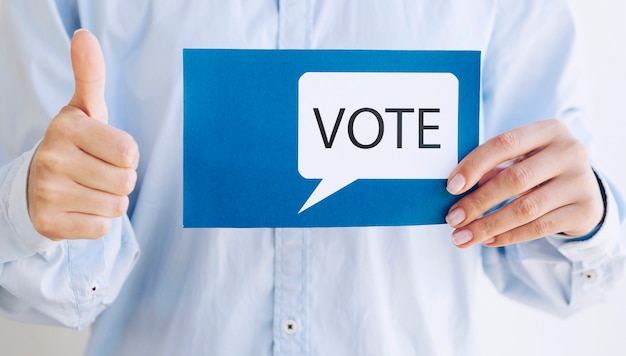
[[508, 329], [503, 328]]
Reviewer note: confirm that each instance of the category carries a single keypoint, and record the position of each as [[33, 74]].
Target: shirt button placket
[[291, 245], [291, 291], [293, 24]]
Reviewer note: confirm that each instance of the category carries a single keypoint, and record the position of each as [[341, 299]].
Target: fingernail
[[79, 30], [456, 184], [490, 241], [455, 217], [461, 237]]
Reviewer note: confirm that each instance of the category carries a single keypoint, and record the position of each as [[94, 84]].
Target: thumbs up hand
[[83, 170]]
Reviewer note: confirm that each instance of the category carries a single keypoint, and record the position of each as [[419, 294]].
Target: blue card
[[325, 138]]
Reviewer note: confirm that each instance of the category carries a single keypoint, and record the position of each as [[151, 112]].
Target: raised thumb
[[89, 75]]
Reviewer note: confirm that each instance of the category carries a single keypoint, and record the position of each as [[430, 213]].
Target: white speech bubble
[[367, 126]]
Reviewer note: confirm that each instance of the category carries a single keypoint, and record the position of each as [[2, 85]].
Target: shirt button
[[290, 326], [589, 276], [93, 288]]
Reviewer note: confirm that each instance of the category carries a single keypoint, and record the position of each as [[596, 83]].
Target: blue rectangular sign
[[325, 138]]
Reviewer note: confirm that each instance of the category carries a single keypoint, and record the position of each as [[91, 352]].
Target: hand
[[547, 173], [83, 170]]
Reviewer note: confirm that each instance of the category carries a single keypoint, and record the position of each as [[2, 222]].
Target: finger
[[94, 202], [494, 172], [96, 174], [66, 196], [506, 146], [79, 226], [548, 224], [104, 142], [75, 212], [519, 212], [89, 75], [513, 181]]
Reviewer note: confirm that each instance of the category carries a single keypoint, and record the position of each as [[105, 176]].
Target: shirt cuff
[[601, 243], [27, 240]]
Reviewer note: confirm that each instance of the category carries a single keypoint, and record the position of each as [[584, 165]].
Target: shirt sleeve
[[20, 238], [534, 70], [60, 283], [561, 276]]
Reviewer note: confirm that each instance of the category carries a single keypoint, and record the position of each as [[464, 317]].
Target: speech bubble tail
[[309, 203], [326, 188]]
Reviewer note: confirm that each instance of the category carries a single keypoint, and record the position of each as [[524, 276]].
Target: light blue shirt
[[339, 291]]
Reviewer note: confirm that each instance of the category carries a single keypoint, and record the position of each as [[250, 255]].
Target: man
[[379, 290]]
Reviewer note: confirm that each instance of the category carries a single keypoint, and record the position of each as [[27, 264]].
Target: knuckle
[[45, 225], [557, 126], [507, 141], [541, 227], [506, 238], [119, 206], [527, 208], [91, 228], [593, 206], [128, 150], [517, 177], [46, 160], [483, 228], [99, 229], [59, 125], [577, 150], [478, 201], [64, 125], [43, 198], [128, 178]]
